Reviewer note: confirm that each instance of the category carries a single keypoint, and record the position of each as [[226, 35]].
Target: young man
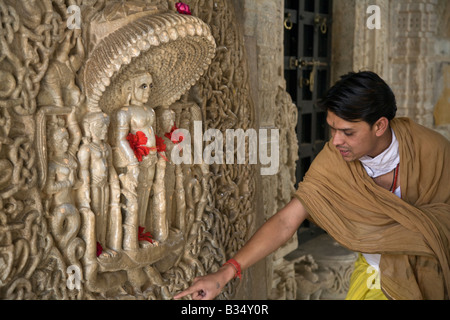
[[380, 186]]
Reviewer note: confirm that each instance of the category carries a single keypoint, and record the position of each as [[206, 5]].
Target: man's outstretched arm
[[269, 237]]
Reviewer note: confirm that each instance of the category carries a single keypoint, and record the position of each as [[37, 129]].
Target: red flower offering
[[137, 144], [99, 249], [160, 145], [144, 236], [177, 138], [182, 8]]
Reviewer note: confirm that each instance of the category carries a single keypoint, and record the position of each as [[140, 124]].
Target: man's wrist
[[236, 266], [229, 272]]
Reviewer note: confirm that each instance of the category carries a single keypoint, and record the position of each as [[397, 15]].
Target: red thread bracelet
[[236, 266]]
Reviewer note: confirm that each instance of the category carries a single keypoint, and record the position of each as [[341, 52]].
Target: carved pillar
[[264, 29], [405, 50], [441, 91], [356, 47], [370, 50], [412, 58]]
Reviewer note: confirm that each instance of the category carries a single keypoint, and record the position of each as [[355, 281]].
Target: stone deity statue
[[136, 155], [100, 189]]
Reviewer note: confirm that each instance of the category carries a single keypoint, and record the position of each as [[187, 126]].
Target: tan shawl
[[412, 233]]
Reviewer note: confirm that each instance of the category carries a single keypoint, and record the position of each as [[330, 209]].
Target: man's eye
[[348, 134], [144, 86]]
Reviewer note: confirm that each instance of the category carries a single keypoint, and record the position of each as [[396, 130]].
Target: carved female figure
[[100, 190], [173, 173], [65, 219], [136, 154]]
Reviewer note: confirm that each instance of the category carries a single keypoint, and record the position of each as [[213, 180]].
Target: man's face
[[352, 139]]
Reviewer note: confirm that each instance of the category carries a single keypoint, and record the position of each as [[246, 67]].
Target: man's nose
[[337, 138]]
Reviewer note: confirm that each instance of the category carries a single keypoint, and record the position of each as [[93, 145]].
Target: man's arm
[[269, 237]]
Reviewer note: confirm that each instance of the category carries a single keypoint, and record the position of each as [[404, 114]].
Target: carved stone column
[[356, 47], [412, 58], [408, 51], [441, 92], [264, 29]]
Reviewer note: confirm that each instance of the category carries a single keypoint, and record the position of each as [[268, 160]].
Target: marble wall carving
[[91, 205]]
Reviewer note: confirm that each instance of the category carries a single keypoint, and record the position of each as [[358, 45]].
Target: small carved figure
[[62, 165], [62, 179], [58, 85], [166, 126], [100, 189]]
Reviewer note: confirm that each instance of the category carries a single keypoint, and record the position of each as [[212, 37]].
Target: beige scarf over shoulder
[[412, 234]]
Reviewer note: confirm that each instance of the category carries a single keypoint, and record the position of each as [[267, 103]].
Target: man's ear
[[381, 126]]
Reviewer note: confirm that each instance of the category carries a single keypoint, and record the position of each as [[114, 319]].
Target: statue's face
[[60, 141], [142, 85], [167, 122], [99, 129]]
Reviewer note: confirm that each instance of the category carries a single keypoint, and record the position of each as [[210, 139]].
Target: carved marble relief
[[91, 204]]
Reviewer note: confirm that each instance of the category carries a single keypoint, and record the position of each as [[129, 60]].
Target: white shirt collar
[[385, 162]]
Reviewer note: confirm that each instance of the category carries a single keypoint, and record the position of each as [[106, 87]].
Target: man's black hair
[[360, 96]]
